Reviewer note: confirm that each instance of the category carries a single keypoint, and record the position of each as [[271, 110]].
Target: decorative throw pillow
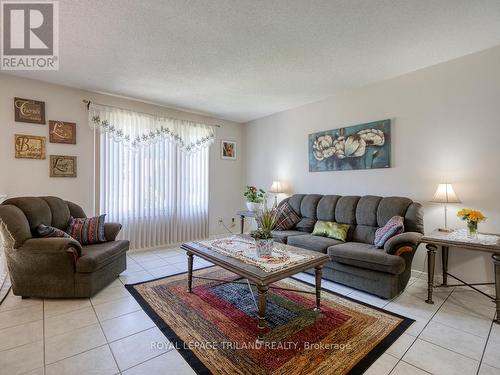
[[393, 227], [331, 229], [286, 218], [46, 231], [87, 230]]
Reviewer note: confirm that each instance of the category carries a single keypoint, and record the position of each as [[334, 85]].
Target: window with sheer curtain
[[153, 175]]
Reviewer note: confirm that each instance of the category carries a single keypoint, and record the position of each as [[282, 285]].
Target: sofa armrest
[[402, 243], [52, 245], [111, 231]]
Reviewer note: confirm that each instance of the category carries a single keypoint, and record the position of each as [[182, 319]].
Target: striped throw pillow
[[286, 218], [393, 227], [87, 231], [46, 231]]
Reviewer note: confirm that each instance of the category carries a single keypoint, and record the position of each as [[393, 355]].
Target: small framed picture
[[27, 110], [228, 150], [62, 132], [62, 166], [29, 146]]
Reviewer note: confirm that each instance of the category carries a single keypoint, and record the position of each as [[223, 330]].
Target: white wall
[[446, 127], [31, 177]]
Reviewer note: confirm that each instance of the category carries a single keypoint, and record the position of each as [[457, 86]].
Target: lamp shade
[[445, 194], [276, 187]]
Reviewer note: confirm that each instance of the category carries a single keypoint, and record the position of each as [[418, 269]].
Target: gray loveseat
[[357, 262], [52, 267]]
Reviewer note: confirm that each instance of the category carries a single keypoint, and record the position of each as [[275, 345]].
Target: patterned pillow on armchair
[[87, 231]]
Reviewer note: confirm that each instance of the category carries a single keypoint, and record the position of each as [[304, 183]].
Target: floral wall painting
[[364, 146]]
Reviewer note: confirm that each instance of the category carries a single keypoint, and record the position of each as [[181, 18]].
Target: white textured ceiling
[[245, 59]]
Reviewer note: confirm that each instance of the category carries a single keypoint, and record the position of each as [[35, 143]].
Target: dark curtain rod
[[88, 102]]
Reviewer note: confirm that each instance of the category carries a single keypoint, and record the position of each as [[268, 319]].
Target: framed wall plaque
[[228, 150], [62, 132], [62, 166], [28, 110], [29, 146]]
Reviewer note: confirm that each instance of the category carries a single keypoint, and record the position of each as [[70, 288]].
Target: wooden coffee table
[[256, 275]]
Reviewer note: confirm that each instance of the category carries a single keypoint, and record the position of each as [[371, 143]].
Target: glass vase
[[472, 229], [264, 247]]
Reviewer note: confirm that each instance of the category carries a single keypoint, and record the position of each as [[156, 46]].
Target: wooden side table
[[442, 239], [243, 215]]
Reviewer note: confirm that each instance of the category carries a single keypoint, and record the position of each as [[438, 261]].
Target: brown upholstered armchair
[[56, 267]]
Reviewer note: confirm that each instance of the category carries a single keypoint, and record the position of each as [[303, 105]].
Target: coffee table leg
[[190, 271], [262, 311], [319, 270], [496, 261]]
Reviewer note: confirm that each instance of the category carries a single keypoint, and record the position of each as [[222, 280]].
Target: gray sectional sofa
[[357, 262]]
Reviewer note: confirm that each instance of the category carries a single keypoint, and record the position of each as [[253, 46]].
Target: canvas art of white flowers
[[353, 146], [333, 149]]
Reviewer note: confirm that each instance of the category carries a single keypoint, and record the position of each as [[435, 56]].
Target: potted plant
[[472, 217], [254, 198], [263, 237]]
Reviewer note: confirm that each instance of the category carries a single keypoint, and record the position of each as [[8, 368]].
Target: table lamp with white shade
[[445, 194], [276, 189]]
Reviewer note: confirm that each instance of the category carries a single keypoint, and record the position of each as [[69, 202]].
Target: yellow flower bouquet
[[472, 217]]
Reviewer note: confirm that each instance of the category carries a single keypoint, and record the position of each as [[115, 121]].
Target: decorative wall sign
[[29, 146], [27, 110], [62, 166], [364, 146], [62, 132], [228, 150]]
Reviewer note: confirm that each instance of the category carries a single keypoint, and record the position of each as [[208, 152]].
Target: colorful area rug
[[215, 327]]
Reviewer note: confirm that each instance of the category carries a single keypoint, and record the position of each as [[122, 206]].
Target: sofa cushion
[[282, 235], [366, 256], [309, 205], [306, 224], [60, 212], [391, 206], [345, 210], [393, 227], [364, 233], [285, 216], [87, 231], [366, 210], [97, 256], [294, 201], [37, 211], [14, 225], [46, 231], [331, 229], [316, 243], [326, 207], [75, 210], [414, 218]]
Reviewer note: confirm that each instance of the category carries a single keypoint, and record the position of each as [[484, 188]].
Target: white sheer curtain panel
[[156, 187]]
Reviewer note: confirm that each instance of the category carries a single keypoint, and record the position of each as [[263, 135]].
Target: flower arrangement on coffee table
[[472, 217], [266, 221]]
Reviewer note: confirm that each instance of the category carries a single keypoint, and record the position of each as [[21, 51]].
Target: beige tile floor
[[110, 334]]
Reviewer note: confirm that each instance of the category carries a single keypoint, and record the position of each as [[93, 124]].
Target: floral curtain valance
[[136, 130]]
